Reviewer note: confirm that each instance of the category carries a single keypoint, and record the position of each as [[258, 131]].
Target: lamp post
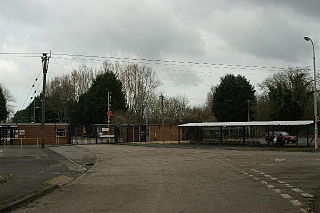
[[314, 97]]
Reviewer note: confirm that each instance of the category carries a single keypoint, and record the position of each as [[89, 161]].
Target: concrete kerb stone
[[28, 198]]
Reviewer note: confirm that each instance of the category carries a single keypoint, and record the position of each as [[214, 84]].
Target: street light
[[314, 97]]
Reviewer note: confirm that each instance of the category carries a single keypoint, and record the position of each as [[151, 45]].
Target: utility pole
[[146, 110], [249, 116], [34, 110], [248, 110], [162, 117], [45, 63], [34, 105], [109, 107], [109, 113]]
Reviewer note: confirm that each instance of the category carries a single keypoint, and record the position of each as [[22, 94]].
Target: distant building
[[30, 133]]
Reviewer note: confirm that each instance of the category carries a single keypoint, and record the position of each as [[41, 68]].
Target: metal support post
[[162, 117]]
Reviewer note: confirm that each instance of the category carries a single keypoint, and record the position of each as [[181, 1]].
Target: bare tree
[[61, 97], [64, 91], [8, 99], [174, 110], [140, 84], [81, 79], [207, 108]]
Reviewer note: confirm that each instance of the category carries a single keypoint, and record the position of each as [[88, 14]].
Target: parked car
[[282, 137]]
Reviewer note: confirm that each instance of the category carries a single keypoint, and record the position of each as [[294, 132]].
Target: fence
[[5, 141]]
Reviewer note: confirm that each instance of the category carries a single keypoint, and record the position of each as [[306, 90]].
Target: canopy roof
[[249, 123]]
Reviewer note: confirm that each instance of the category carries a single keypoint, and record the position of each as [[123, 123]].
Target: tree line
[[285, 95], [81, 98]]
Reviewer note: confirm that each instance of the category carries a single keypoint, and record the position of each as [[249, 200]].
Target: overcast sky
[[247, 32]]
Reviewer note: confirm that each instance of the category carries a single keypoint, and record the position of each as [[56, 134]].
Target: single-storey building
[[30, 133]]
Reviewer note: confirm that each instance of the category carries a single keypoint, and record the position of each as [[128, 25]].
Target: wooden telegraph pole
[[45, 63]]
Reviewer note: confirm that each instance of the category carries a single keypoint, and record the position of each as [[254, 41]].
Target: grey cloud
[[267, 32], [264, 36], [308, 8], [112, 27], [265, 29]]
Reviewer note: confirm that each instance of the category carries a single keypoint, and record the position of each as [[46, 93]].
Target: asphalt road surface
[[182, 180], [26, 170]]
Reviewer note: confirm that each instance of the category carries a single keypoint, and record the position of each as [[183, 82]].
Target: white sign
[[22, 132], [106, 129]]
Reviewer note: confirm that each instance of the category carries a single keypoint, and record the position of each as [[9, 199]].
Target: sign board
[[105, 129], [109, 113], [106, 136], [22, 132]]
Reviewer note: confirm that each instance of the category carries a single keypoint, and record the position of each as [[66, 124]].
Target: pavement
[[188, 179], [29, 172]]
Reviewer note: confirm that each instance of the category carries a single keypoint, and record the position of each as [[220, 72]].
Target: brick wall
[[34, 131], [170, 132]]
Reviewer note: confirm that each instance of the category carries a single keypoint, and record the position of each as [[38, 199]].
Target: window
[[61, 133]]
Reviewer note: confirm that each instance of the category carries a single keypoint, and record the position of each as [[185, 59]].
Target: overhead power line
[[217, 66], [172, 62], [19, 53], [154, 61], [33, 85]]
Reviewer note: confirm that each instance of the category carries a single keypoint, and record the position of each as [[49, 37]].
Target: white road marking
[[286, 196], [270, 186], [296, 190], [277, 191], [307, 195], [279, 160], [295, 202], [1, 151]]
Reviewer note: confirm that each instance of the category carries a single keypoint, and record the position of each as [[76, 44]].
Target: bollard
[[37, 142], [20, 143]]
